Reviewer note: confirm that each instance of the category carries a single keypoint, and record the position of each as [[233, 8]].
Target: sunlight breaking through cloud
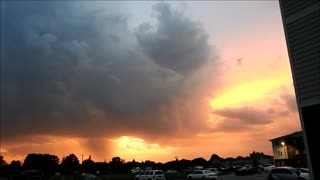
[[135, 148]]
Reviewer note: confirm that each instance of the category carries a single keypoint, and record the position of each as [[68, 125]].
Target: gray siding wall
[[304, 44], [292, 6]]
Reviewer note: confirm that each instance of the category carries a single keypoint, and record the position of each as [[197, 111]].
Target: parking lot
[[234, 177], [250, 177]]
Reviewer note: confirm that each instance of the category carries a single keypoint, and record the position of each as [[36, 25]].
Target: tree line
[[70, 164]]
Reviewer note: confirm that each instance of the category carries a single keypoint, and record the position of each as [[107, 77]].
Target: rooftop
[[292, 135]]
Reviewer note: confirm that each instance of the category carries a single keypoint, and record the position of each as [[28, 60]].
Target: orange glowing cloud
[[245, 88], [135, 148]]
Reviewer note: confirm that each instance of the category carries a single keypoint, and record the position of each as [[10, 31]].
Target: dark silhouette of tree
[[2, 161], [215, 160], [102, 167], [134, 163], [47, 163], [3, 167], [240, 160], [149, 163], [69, 165], [229, 161], [255, 157], [14, 168], [184, 164], [199, 162], [214, 157], [170, 164], [88, 165], [130, 165], [16, 164], [116, 165]]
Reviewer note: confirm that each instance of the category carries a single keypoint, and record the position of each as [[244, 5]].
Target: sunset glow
[[247, 93], [143, 80], [135, 148]]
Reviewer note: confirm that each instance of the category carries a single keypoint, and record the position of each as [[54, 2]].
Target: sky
[[144, 80]]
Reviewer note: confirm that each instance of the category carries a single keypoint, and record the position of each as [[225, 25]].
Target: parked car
[[172, 171], [243, 171], [198, 168], [304, 170], [267, 169], [31, 175], [215, 170], [151, 175], [136, 170], [287, 173], [203, 174], [225, 170], [87, 177]]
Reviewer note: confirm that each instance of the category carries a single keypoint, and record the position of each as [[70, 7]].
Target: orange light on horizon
[[135, 148]]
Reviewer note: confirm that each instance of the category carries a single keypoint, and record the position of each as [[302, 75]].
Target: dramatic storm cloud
[[176, 43], [142, 80], [70, 70]]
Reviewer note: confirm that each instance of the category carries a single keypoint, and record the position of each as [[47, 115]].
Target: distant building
[[289, 150], [266, 159]]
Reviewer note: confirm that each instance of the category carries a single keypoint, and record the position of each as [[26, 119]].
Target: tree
[[3, 167], [116, 165], [215, 160], [199, 162], [184, 164], [47, 163], [255, 157], [2, 161], [69, 164], [88, 165], [215, 157], [15, 167], [15, 164], [133, 164]]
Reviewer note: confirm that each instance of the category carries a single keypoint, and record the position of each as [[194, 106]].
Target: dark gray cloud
[[247, 117], [70, 70], [250, 115], [176, 42], [290, 101]]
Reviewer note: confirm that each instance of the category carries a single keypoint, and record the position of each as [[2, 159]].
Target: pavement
[[249, 177]]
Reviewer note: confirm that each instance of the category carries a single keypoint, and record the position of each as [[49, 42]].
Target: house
[[289, 150]]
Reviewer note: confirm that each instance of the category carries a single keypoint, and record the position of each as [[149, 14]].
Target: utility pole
[[81, 158], [176, 163]]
